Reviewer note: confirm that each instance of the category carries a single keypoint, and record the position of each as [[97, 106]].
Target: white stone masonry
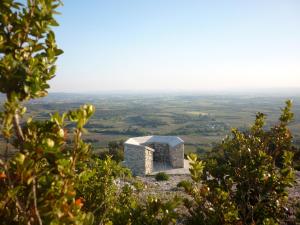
[[140, 153]]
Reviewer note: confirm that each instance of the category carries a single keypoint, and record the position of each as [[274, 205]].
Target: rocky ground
[[154, 186], [294, 198], [166, 189], [294, 193]]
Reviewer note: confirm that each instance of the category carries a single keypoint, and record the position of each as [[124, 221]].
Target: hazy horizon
[[237, 92], [178, 46]]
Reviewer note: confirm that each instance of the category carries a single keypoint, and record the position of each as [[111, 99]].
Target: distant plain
[[200, 120]]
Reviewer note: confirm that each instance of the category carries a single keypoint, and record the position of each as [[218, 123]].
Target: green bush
[[245, 178], [162, 176], [115, 151], [37, 182], [108, 191], [297, 159], [187, 185], [52, 179], [48, 178], [297, 167]]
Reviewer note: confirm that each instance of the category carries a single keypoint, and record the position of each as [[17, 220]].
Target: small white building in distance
[[144, 155]]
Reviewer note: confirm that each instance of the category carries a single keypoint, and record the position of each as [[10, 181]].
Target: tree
[[37, 183], [48, 179], [116, 150]]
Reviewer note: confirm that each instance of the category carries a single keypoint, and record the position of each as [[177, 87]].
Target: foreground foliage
[[51, 180], [44, 180], [37, 183], [245, 179], [109, 191], [115, 151]]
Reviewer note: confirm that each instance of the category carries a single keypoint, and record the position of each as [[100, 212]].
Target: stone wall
[[177, 156], [134, 157], [162, 152], [139, 159], [148, 160]]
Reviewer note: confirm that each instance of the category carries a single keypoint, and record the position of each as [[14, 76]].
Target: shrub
[[117, 203], [297, 167], [297, 159], [116, 150], [155, 212], [50, 180], [96, 184], [162, 176], [245, 178], [187, 185], [37, 183]]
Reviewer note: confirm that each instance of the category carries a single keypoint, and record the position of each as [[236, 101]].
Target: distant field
[[201, 121]]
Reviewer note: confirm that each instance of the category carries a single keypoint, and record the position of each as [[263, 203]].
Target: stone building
[[143, 154]]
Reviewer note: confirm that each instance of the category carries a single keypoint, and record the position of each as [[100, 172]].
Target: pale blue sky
[[178, 45]]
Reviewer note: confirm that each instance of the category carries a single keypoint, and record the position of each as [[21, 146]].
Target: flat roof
[[170, 140]]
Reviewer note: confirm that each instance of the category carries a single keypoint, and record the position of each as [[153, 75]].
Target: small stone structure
[[141, 154]]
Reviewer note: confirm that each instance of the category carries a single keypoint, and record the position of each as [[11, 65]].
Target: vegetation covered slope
[[52, 178]]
